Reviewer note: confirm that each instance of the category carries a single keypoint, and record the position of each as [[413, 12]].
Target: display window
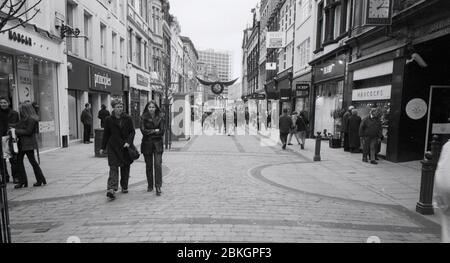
[[329, 112]]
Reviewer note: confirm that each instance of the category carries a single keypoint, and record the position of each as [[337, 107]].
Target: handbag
[[133, 153]]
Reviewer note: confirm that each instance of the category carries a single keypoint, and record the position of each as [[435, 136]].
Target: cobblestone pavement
[[227, 189]]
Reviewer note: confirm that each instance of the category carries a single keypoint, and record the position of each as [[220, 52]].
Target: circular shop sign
[[416, 109]]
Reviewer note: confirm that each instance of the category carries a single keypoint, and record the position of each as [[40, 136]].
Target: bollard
[[429, 166], [98, 143], [317, 157]]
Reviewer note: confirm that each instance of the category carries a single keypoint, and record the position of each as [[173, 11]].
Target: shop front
[[301, 94], [139, 94], [407, 81], [329, 96], [284, 85], [30, 71], [91, 84]]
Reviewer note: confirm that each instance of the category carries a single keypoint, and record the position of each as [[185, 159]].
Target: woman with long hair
[[152, 147], [26, 130], [117, 138]]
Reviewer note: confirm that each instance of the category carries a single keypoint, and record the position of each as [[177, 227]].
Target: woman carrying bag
[[26, 131], [118, 137], [152, 147]]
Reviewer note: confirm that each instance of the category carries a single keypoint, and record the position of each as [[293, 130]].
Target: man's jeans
[[113, 181]]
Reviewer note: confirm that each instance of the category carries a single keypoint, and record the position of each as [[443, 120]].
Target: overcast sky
[[216, 24]]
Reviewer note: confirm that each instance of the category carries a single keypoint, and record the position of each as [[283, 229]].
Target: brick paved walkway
[[229, 189]]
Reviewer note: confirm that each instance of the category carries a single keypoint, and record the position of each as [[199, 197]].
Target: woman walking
[[26, 130], [153, 130], [117, 138]]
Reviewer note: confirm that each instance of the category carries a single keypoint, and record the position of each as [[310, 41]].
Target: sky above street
[[216, 24]]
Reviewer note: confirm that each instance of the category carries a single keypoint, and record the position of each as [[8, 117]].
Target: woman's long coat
[[354, 122], [117, 133], [152, 141]]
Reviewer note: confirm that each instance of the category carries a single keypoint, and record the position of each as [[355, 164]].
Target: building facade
[[329, 65], [302, 71], [220, 61], [402, 73]]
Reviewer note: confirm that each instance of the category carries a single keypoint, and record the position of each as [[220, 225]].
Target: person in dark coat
[[285, 127], [26, 130], [224, 117], [345, 118], [8, 118], [102, 114], [371, 132], [117, 138], [153, 130], [86, 119], [354, 122], [302, 128]]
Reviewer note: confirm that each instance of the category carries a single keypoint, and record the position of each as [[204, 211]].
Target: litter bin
[[98, 143]]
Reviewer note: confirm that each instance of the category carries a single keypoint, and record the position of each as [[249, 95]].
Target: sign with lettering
[[142, 80], [441, 128], [105, 81], [302, 90], [20, 38], [371, 94], [276, 39], [330, 69]]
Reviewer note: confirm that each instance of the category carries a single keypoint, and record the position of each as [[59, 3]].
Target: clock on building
[[379, 12]]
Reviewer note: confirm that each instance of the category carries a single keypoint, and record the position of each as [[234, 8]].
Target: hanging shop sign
[[379, 12], [371, 94], [20, 38], [276, 39], [271, 66], [416, 109], [142, 80]]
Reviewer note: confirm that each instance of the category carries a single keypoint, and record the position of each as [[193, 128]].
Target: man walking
[[371, 132], [285, 126], [102, 114], [345, 118], [8, 118], [86, 119]]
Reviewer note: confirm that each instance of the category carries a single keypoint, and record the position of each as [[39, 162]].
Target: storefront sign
[[416, 109], [302, 90], [105, 81], [141, 80], [20, 38], [441, 128], [330, 69], [378, 93]]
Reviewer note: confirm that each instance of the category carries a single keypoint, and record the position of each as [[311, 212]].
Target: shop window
[[37, 82], [329, 112]]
